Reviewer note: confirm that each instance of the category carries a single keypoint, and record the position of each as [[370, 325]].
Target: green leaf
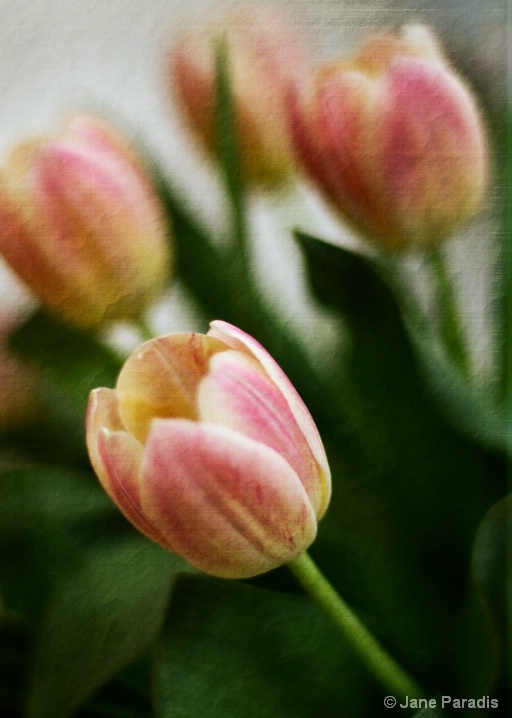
[[93, 589], [484, 631], [231, 650], [383, 386], [70, 362], [364, 292], [41, 509], [75, 359], [489, 562], [128, 695], [409, 488], [98, 619], [14, 656]]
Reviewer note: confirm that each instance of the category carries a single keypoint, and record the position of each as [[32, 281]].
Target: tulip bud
[[394, 139], [265, 60], [207, 449], [82, 226]]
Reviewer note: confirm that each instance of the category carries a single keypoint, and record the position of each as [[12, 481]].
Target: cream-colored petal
[[102, 413], [116, 458], [160, 380]]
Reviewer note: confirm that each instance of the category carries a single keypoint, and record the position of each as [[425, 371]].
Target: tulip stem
[[383, 667], [145, 331], [229, 152], [451, 332]]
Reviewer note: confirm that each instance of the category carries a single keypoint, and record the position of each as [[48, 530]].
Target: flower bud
[[394, 139], [82, 226], [265, 60], [207, 449]]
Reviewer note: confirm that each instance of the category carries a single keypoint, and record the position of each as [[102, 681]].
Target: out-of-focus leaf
[[70, 362], [359, 288], [14, 655], [489, 565], [128, 695], [484, 631], [73, 358], [41, 509], [410, 489], [93, 589], [231, 650], [98, 619]]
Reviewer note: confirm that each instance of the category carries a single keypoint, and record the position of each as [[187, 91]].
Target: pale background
[[106, 57]]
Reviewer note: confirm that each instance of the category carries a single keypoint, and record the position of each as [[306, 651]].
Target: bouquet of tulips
[[250, 517]]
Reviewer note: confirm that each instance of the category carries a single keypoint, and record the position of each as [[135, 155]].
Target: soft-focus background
[[58, 55]]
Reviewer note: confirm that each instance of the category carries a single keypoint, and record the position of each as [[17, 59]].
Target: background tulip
[[81, 224], [265, 59], [207, 448], [394, 139]]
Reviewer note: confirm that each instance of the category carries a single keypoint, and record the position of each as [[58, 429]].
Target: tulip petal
[[104, 222], [346, 136], [432, 149], [27, 255], [230, 505], [393, 137], [95, 245], [116, 457], [238, 393], [239, 340], [160, 380], [104, 191]]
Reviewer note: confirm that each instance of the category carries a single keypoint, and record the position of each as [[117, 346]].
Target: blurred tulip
[[82, 226], [265, 60], [207, 449], [394, 139]]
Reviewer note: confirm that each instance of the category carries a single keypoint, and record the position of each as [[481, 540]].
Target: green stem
[[383, 667], [231, 164], [145, 330], [451, 332]]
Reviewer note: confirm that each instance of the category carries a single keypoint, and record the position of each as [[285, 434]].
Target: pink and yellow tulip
[[266, 59], [81, 224], [207, 449], [394, 139]]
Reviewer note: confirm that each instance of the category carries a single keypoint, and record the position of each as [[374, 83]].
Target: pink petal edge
[[238, 339], [238, 394]]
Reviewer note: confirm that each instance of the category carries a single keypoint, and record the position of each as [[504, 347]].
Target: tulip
[[394, 139], [81, 225], [207, 449], [265, 60]]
